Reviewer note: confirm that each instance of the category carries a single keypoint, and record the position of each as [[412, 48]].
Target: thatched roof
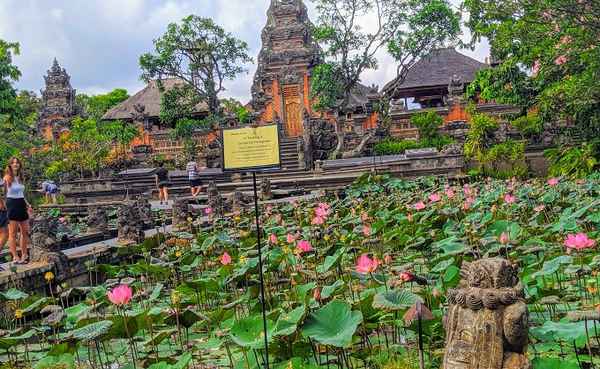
[[149, 97], [436, 70]]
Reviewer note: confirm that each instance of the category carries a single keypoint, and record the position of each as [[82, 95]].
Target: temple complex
[[58, 103]]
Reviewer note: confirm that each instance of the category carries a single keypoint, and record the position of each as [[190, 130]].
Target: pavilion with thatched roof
[[144, 106], [428, 80]]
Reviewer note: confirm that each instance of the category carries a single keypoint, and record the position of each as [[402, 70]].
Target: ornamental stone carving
[[487, 319], [130, 228]]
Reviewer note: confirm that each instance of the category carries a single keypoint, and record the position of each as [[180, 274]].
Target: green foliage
[[391, 146], [502, 160], [528, 125], [574, 162], [408, 28], [427, 123], [178, 102], [481, 130], [15, 119], [233, 106], [96, 106], [559, 41], [200, 53]]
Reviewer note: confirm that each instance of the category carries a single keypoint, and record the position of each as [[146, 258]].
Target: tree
[[85, 148], [96, 106], [550, 58], [14, 128], [120, 134], [200, 53], [409, 29]]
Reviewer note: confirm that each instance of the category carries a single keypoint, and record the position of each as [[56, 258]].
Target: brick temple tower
[[58, 103], [280, 92]]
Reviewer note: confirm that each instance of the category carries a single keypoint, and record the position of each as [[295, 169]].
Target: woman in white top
[[3, 219], [17, 210]]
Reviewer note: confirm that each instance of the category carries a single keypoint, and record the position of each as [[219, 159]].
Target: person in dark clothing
[[162, 183]]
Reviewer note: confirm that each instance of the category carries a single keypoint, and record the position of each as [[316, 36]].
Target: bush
[[391, 146], [505, 160], [427, 123], [574, 162], [528, 125]]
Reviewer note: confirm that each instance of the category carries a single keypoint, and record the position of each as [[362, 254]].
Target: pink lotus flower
[[509, 199], [366, 230], [409, 217], [208, 211], [467, 190], [536, 68], [387, 259], [468, 203], [273, 239], [553, 182], [561, 60], [317, 220], [419, 206], [317, 294], [435, 197], [504, 238], [449, 193], [304, 246], [539, 208], [120, 295], [406, 276], [290, 238], [324, 205], [579, 241], [366, 265], [63, 220], [225, 258]]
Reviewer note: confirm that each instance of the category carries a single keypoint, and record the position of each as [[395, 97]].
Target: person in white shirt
[[18, 210], [194, 176]]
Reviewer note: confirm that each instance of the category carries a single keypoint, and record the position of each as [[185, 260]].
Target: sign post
[[253, 149]]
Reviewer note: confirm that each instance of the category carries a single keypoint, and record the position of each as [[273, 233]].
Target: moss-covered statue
[[487, 320]]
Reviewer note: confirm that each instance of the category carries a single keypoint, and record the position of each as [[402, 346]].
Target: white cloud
[[99, 41]]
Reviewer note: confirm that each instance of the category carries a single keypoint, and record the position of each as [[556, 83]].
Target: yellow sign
[[251, 148]]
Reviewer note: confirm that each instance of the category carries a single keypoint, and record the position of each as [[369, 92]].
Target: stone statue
[[487, 319], [144, 210], [238, 201], [265, 189], [180, 215], [215, 200], [456, 86], [130, 228], [45, 246], [97, 220]]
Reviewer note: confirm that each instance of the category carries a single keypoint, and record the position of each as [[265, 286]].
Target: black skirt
[[17, 210]]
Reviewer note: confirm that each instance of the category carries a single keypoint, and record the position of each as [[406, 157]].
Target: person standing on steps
[[194, 177], [50, 190], [18, 210], [162, 183]]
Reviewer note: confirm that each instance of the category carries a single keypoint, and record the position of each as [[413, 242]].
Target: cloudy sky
[[99, 41]]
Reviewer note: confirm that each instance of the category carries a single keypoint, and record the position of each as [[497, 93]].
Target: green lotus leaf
[[14, 294], [395, 300], [249, 332], [288, 322], [334, 324], [327, 291], [92, 331]]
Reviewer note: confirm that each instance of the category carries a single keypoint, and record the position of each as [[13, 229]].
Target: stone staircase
[[289, 154]]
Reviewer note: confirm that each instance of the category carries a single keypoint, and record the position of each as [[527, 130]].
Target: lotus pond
[[341, 275]]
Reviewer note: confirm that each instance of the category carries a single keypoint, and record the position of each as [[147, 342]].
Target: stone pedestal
[[487, 319], [215, 200], [265, 189]]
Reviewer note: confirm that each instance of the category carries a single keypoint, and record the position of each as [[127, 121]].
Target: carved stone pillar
[[487, 319], [44, 246], [180, 215], [130, 228], [265, 189], [97, 220], [215, 200]]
